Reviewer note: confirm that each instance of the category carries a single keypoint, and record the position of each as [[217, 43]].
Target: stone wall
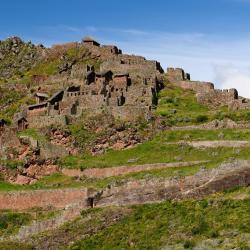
[[205, 91], [241, 103], [42, 198], [227, 175], [8, 140], [200, 87], [217, 97], [46, 121], [177, 74]]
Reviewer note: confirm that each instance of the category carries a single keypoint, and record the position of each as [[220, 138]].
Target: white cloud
[[231, 77]]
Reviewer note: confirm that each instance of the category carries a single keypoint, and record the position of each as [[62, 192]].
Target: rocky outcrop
[[16, 57]]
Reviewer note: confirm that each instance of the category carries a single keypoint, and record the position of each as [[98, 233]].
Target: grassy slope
[[218, 222], [157, 150], [154, 151], [10, 222], [179, 107]]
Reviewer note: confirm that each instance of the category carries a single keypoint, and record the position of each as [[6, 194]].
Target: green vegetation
[[33, 133], [10, 245], [18, 57], [11, 164], [212, 222], [159, 150], [45, 68], [178, 107], [53, 181], [10, 222], [82, 136]]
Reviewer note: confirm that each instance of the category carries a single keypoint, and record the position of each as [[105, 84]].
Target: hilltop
[[89, 134]]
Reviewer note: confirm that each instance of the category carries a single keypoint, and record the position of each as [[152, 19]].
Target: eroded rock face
[[117, 140], [35, 171], [63, 139], [29, 174], [23, 180]]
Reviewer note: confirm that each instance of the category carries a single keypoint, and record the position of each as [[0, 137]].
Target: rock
[[119, 146], [178, 158], [23, 180], [133, 160], [36, 171], [221, 135]]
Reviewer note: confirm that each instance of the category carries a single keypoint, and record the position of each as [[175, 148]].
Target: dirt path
[[123, 170], [215, 124], [215, 144]]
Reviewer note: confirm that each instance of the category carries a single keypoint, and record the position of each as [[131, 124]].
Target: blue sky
[[208, 38]]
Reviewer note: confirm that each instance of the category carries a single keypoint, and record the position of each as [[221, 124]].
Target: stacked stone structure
[[205, 91], [125, 86], [99, 91]]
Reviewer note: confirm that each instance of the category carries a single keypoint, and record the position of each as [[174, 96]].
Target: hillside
[[103, 150]]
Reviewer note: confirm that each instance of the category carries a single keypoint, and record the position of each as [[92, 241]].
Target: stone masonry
[[205, 91], [126, 86]]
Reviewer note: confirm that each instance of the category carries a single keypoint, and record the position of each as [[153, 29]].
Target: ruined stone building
[[205, 91], [125, 86], [99, 91]]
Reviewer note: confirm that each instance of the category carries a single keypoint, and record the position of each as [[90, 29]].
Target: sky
[[210, 39]]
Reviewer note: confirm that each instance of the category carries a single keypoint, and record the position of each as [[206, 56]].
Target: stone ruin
[[206, 93], [105, 90], [127, 88]]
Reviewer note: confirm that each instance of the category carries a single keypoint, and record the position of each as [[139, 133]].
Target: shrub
[[201, 118], [189, 244]]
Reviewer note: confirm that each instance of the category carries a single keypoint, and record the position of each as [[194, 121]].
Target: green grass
[[45, 68], [10, 245], [155, 151], [54, 181], [34, 133], [206, 135], [10, 222], [178, 107], [159, 151], [183, 224], [11, 164]]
